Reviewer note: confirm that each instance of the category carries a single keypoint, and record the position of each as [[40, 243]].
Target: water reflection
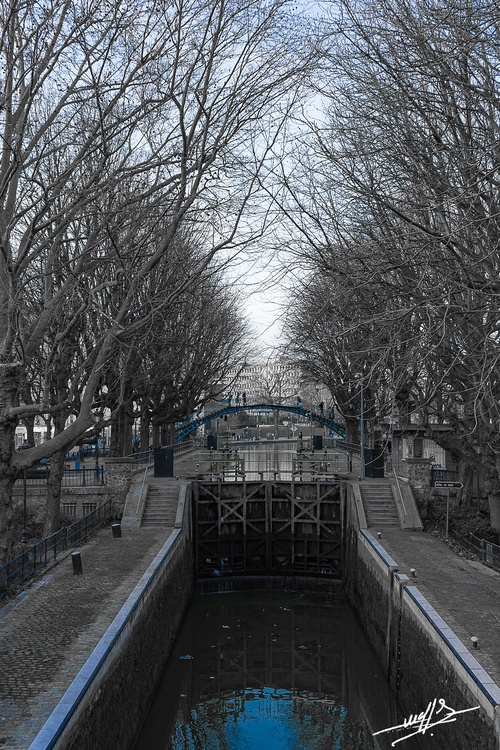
[[270, 671]]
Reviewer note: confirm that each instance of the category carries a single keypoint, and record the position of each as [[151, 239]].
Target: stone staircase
[[161, 505], [379, 505]]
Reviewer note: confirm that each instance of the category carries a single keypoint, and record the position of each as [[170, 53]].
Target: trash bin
[[374, 463], [164, 462], [212, 442], [317, 442]]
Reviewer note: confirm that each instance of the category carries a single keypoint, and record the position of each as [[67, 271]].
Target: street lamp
[[24, 537], [97, 455], [359, 376]]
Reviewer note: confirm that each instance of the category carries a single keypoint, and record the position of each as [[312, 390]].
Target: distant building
[[39, 431], [279, 378]]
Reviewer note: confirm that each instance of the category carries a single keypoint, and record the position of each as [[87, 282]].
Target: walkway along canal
[[107, 701]]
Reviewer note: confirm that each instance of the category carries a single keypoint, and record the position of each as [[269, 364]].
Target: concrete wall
[[423, 658], [107, 701]]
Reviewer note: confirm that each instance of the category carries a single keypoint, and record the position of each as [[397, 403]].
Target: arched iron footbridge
[[219, 410]]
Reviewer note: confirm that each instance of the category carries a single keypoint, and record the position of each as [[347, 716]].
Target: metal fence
[[71, 477], [24, 566], [487, 552], [147, 457]]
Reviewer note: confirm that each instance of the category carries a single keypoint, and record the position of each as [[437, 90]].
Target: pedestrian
[[299, 402], [229, 399], [237, 399], [244, 397], [321, 408]]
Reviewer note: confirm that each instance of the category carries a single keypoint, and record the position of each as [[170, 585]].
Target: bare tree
[[111, 113], [402, 216]]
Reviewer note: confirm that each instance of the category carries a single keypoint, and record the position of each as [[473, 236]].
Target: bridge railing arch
[[319, 415]]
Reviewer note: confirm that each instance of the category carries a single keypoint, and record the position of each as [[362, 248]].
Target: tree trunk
[[352, 430], [53, 506], [144, 433], [29, 423], [168, 434], [492, 488], [6, 511], [122, 433], [8, 474], [156, 436], [466, 476]]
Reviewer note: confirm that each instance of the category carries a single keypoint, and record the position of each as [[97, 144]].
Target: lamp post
[[359, 376], [97, 455], [24, 537]]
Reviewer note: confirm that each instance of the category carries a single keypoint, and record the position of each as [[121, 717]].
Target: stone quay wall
[[106, 704], [423, 659]]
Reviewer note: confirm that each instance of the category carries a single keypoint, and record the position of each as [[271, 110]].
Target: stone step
[[162, 512], [161, 506], [379, 505], [376, 494]]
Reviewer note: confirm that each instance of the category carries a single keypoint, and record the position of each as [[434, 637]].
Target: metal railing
[[82, 529], [71, 477], [143, 458], [84, 477], [400, 492], [185, 446], [487, 552], [147, 457], [24, 566]]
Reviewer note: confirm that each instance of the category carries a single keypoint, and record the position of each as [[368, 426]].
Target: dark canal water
[[263, 670]]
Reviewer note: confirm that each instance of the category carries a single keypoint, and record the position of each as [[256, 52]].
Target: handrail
[[196, 419], [25, 565], [488, 552], [148, 456], [399, 490], [142, 490]]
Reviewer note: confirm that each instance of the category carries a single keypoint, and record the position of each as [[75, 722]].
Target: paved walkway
[[48, 631], [466, 593]]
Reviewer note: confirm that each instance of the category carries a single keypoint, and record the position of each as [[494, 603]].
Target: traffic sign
[[458, 485]]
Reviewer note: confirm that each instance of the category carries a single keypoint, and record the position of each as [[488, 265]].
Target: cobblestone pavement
[[48, 631], [466, 593]]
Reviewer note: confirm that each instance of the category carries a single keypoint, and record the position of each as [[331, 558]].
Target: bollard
[[77, 563], [379, 535], [413, 573], [117, 530], [475, 641]]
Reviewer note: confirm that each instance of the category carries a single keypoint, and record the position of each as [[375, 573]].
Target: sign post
[[448, 486]]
